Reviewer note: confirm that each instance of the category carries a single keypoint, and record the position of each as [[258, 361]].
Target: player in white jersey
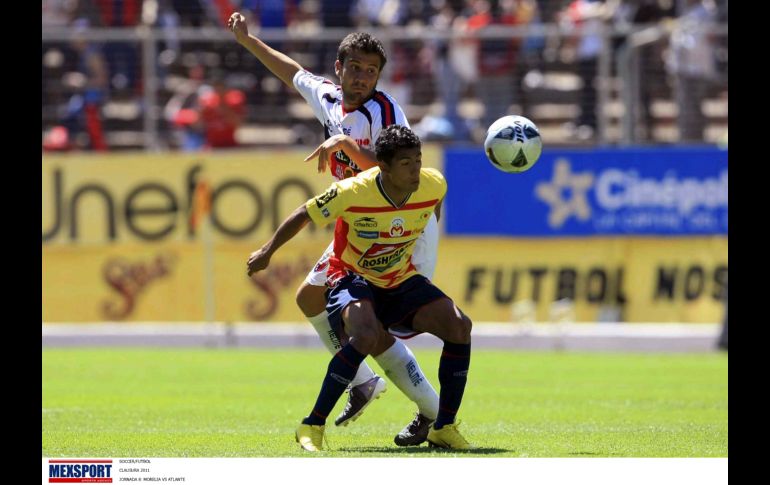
[[353, 114]]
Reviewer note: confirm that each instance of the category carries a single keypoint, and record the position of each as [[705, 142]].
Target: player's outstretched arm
[[260, 259], [363, 157], [279, 63]]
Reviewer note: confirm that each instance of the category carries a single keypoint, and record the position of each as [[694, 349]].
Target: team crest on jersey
[[397, 227], [380, 257]]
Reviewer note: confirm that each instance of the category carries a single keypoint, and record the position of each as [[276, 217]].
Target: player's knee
[[461, 330], [365, 339], [311, 299]]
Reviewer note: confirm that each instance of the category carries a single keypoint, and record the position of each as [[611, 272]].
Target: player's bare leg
[[398, 362], [366, 386], [444, 319]]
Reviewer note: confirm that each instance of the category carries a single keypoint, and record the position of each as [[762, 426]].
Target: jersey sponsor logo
[[325, 212], [397, 227], [368, 222], [343, 166], [325, 198], [342, 157], [368, 234], [381, 257]]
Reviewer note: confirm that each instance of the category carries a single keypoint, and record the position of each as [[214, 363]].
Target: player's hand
[[237, 24], [325, 151], [258, 260]]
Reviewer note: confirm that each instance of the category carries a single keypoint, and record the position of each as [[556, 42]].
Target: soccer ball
[[513, 144]]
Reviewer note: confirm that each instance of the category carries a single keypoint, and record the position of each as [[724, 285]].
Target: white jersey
[[363, 124]]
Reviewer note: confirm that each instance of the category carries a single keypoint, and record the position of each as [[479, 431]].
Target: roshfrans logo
[[79, 471], [380, 257]]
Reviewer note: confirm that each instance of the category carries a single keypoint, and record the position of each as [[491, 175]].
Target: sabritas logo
[[79, 471], [380, 257]]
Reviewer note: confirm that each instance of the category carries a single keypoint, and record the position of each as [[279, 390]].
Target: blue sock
[[342, 369], [452, 375]]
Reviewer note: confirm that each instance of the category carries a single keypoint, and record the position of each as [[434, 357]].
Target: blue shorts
[[394, 307]]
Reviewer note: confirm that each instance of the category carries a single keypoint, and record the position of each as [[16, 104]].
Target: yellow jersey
[[374, 237]]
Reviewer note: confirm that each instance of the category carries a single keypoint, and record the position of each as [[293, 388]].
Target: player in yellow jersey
[[375, 291], [353, 115]]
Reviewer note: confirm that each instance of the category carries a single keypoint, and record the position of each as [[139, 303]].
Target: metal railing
[[617, 75]]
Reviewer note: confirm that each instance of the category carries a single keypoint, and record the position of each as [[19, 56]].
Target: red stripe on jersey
[[416, 205], [340, 236], [388, 117], [336, 265], [387, 234]]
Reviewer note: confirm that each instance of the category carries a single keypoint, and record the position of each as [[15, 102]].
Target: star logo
[[551, 193]]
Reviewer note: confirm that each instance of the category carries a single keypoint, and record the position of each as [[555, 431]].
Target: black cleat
[[415, 432], [359, 398]]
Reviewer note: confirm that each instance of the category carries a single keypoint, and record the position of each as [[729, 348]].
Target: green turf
[[247, 403]]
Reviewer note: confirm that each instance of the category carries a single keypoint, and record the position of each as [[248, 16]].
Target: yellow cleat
[[310, 437], [448, 437]]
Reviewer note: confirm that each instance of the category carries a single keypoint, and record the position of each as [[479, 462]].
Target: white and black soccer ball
[[513, 144]]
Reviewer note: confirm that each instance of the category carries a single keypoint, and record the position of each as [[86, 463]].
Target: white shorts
[[424, 256]]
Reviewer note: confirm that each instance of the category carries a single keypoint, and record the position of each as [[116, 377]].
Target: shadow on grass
[[411, 450], [589, 453]]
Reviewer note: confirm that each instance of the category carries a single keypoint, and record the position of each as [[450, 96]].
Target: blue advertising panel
[[608, 191]]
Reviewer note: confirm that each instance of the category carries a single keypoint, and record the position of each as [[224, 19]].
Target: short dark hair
[[361, 41], [393, 138]]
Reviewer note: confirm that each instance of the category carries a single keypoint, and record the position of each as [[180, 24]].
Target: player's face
[[404, 171], [358, 77]]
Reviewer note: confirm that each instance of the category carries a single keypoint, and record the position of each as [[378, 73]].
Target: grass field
[[247, 403]]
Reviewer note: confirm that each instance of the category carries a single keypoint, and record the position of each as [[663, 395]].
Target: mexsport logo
[[79, 471]]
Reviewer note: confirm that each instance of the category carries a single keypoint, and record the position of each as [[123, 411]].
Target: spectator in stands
[[378, 13], [336, 13], [83, 114], [208, 114], [530, 58], [651, 79], [333, 14], [497, 86], [122, 57], [588, 15], [57, 12], [222, 112], [692, 64], [191, 13], [453, 65]]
